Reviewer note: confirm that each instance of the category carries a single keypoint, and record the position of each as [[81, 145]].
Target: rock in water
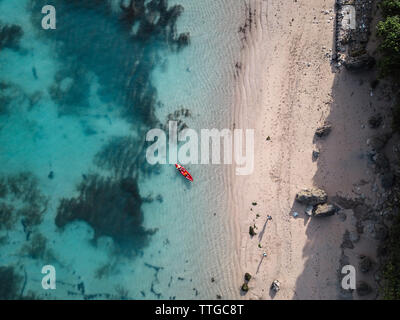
[[312, 196], [111, 207], [324, 210], [377, 143], [324, 130]]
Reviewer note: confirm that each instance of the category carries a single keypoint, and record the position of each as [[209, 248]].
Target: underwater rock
[[111, 207], [312, 196], [387, 180], [10, 36], [36, 249], [251, 231], [10, 283]]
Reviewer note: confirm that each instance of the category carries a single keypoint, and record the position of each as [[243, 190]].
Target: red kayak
[[184, 172]]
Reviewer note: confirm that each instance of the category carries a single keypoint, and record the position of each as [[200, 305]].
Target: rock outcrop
[[324, 210], [312, 196]]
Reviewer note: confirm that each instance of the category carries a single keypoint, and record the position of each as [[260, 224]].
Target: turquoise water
[[76, 191]]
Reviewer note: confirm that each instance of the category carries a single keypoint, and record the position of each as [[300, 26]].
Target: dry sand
[[287, 88]]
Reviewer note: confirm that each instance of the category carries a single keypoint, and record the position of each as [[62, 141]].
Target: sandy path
[[286, 90]]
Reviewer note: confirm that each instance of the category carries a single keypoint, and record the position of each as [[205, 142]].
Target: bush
[[390, 7], [389, 32]]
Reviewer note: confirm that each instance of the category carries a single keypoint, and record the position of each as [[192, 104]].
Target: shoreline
[[289, 87]]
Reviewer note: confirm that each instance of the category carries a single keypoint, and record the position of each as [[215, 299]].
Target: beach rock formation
[[324, 130], [375, 121], [10, 283], [378, 142], [324, 210], [313, 196], [363, 288]]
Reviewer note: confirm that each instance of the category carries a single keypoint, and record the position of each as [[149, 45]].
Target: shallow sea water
[[76, 191]]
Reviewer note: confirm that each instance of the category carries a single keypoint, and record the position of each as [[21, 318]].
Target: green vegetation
[[391, 271], [390, 7]]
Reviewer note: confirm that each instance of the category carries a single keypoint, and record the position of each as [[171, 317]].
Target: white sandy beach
[[287, 89]]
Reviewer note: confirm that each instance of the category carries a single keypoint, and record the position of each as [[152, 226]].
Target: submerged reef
[[10, 35], [125, 157], [111, 207], [10, 283], [21, 199], [130, 35]]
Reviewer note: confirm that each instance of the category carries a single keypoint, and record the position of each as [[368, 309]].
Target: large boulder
[[324, 210], [324, 130], [312, 196]]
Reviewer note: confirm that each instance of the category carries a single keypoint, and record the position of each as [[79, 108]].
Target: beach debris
[[251, 231], [312, 196], [324, 130], [247, 276], [259, 245], [269, 217], [309, 211], [268, 138], [295, 214], [276, 285], [324, 210], [264, 254]]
